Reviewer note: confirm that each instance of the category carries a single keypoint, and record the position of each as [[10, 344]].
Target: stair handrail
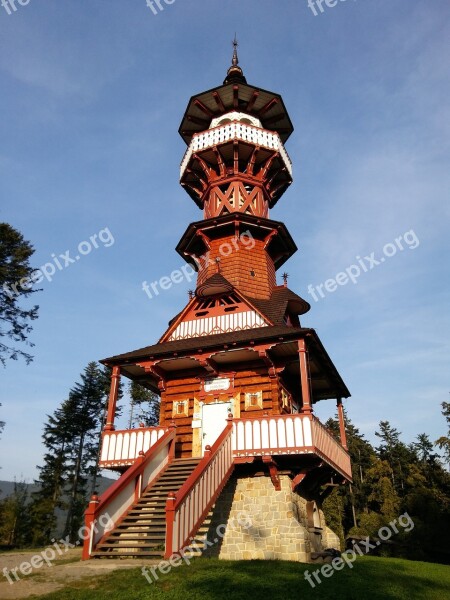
[[187, 509], [179, 528], [126, 490]]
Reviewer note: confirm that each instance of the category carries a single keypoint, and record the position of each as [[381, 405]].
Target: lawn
[[211, 579]]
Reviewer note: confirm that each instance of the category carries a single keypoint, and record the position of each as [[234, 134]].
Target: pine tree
[[354, 497], [71, 439], [397, 454], [15, 519], [444, 442], [86, 407], [16, 280], [52, 476]]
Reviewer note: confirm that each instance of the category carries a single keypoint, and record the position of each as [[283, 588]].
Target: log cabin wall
[[251, 393]]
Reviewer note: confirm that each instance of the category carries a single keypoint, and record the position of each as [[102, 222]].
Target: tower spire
[[235, 60], [234, 73]]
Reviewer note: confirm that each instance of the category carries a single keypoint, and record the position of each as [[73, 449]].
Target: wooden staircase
[[142, 531]]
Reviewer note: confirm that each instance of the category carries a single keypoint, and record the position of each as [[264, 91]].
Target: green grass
[[211, 579]]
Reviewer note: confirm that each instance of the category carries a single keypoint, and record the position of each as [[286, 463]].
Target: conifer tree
[[444, 441], [52, 476], [71, 440], [15, 519], [85, 405], [16, 281]]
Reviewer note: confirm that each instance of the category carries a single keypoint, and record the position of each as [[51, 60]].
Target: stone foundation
[[262, 523]]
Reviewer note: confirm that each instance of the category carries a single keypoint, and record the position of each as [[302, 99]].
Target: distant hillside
[[7, 487]]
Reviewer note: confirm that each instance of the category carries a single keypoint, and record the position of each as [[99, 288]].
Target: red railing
[[122, 448], [289, 434], [187, 509], [332, 452], [103, 513]]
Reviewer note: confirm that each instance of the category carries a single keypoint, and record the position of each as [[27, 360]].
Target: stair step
[[142, 531], [146, 531], [132, 543], [138, 554]]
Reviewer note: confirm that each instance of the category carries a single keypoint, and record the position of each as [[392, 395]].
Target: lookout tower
[[237, 374]]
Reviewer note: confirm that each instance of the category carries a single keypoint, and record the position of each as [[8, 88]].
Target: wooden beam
[[219, 102], [268, 106], [253, 99], [203, 108], [273, 471], [236, 96]]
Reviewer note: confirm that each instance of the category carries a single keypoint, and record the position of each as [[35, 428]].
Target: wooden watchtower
[[237, 373]]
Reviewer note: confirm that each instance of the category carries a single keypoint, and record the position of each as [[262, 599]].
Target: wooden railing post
[[89, 527], [170, 519], [340, 409], [112, 402], [304, 377], [172, 427]]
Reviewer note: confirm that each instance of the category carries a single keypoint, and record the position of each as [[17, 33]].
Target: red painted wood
[[206, 479], [112, 401]]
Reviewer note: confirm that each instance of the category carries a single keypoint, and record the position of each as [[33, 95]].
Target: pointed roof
[[235, 73]]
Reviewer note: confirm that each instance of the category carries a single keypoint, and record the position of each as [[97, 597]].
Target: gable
[[215, 315]]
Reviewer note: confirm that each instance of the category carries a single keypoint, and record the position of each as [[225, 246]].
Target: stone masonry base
[[254, 521]]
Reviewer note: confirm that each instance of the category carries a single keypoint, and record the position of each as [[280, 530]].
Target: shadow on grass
[[211, 579]]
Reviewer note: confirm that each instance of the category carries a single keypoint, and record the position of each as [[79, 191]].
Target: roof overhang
[[267, 106], [224, 353], [280, 247]]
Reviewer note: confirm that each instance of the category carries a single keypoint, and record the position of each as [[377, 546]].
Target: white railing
[[289, 434], [238, 321], [121, 448], [238, 131], [187, 509]]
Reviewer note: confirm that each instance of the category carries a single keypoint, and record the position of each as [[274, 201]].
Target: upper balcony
[[235, 131], [294, 438]]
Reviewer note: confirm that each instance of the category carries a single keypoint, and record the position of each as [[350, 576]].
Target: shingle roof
[[208, 341], [275, 308]]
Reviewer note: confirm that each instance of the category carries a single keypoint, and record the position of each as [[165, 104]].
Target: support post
[[170, 518], [88, 544], [273, 471], [112, 402], [304, 377], [340, 410]]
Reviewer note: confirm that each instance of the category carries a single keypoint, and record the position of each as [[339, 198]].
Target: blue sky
[[92, 94]]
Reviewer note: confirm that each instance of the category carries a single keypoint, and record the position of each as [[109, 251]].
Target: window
[[180, 408], [253, 400]]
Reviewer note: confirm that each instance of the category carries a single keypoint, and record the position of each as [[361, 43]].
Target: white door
[[214, 420]]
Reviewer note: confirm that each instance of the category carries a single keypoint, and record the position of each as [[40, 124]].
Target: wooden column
[[304, 377], [340, 410], [112, 402]]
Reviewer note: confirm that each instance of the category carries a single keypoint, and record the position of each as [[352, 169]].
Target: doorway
[[214, 419]]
